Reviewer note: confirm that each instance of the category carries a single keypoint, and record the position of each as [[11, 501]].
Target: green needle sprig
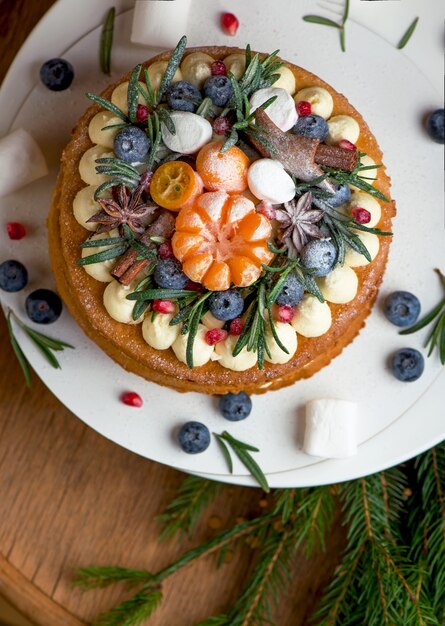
[[47, 345], [436, 338], [106, 41], [407, 35], [242, 451], [324, 21]]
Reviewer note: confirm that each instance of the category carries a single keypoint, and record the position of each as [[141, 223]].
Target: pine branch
[[97, 577], [132, 612], [181, 515]]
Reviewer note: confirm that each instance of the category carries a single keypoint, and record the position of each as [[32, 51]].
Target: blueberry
[[183, 96], [235, 406], [219, 89], [131, 144], [13, 276], [407, 365], [312, 126], [435, 125], [194, 437], [341, 196], [57, 74], [168, 275], [226, 305], [319, 255], [292, 291], [402, 308], [43, 306]]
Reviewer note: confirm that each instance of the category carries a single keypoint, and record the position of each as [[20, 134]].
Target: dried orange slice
[[174, 185], [220, 240], [225, 171]]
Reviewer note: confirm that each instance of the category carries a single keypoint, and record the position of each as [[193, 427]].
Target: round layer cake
[[243, 260]]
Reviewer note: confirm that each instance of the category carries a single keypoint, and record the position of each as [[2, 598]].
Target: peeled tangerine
[[221, 240], [222, 170]]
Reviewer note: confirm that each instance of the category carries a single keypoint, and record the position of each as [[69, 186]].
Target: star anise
[[125, 207], [297, 221]]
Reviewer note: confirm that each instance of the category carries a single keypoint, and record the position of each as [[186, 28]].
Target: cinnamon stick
[[333, 156], [127, 267]]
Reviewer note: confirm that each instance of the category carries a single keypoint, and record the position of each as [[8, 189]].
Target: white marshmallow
[[282, 111], [268, 180], [192, 132], [331, 428], [21, 161], [159, 24], [320, 100]]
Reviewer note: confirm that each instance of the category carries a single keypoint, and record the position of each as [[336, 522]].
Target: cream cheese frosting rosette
[[220, 221]]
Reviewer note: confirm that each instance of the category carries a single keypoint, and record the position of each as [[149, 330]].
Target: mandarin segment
[[222, 170], [254, 227], [244, 272], [197, 266], [217, 278], [185, 244]]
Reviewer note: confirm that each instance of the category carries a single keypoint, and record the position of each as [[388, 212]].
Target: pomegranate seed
[[131, 398], [141, 113], [236, 326], [304, 108], [221, 125], [215, 336], [266, 209], [285, 313], [361, 216], [15, 230], [191, 286], [229, 23], [163, 306], [346, 145], [165, 250], [218, 69]]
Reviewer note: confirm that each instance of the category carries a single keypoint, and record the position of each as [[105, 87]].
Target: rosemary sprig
[[116, 246], [106, 41], [341, 177], [324, 21], [436, 338], [47, 345], [242, 451], [408, 33]]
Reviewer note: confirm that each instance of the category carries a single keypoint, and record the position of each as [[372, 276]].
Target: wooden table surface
[[69, 497]]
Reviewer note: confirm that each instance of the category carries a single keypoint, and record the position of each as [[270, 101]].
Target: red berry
[[191, 286], [266, 209], [141, 113], [221, 125], [165, 250], [236, 326], [132, 399], [163, 306], [229, 23], [361, 216], [215, 336], [15, 230], [304, 108], [218, 69], [285, 313], [346, 145]]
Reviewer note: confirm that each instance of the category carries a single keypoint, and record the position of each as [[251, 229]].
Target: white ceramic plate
[[396, 420]]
